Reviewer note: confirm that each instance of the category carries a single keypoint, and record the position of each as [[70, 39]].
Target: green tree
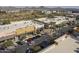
[[8, 43], [77, 17], [50, 16], [3, 22]]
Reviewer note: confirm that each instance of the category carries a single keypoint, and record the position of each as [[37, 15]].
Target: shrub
[[8, 43]]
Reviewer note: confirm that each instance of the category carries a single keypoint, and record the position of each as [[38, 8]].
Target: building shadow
[[77, 50]]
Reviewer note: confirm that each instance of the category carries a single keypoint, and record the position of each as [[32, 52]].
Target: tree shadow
[[74, 37], [77, 42], [77, 50]]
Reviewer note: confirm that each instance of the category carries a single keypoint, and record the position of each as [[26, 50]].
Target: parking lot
[[65, 45]]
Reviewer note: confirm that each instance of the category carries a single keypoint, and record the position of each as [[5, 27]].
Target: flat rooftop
[[6, 35], [15, 25], [58, 20], [10, 29]]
